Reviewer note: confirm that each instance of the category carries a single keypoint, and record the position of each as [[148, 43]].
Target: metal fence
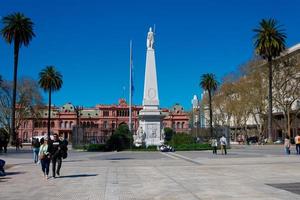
[[82, 135], [204, 135]]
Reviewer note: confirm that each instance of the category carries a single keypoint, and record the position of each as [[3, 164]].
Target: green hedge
[[143, 148], [96, 147], [90, 147], [180, 147], [191, 147], [80, 147]]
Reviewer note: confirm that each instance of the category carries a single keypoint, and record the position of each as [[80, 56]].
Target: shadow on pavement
[[119, 158], [14, 173], [78, 175], [73, 160], [4, 179]]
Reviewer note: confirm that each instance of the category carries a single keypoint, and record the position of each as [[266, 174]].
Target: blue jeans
[[35, 154], [287, 150], [45, 165], [298, 148]]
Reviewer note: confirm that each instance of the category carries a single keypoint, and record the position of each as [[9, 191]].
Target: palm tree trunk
[[270, 99], [13, 134], [210, 114], [49, 113]]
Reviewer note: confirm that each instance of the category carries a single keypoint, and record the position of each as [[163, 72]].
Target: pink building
[[101, 120]]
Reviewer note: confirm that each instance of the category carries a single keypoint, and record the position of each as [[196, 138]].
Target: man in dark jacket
[[55, 147]]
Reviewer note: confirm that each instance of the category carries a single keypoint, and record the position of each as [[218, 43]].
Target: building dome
[[68, 107]]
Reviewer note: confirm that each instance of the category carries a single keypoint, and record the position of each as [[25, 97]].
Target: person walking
[[214, 145], [35, 149], [56, 157], [297, 142], [223, 143], [6, 141], [44, 157], [287, 145]]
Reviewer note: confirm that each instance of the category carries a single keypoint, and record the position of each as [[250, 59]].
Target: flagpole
[[130, 91]]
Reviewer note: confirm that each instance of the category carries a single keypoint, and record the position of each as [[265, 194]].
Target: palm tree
[[50, 80], [209, 83], [17, 29], [269, 43]]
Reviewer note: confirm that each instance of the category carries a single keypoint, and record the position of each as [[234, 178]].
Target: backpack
[[36, 143], [64, 151]]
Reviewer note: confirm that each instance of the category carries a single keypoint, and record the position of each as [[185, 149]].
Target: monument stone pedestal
[[150, 125]]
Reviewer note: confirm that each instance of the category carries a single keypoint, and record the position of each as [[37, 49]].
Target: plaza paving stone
[[247, 172]]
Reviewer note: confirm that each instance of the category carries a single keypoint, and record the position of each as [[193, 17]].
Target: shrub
[[80, 147], [143, 148], [168, 134], [191, 147], [181, 138], [96, 147]]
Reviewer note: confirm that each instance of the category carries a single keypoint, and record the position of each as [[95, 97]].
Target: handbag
[[42, 156]]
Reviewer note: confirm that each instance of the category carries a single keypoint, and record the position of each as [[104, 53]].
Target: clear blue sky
[[88, 42]]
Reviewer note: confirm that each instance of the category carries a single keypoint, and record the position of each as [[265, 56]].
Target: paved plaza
[[247, 172]]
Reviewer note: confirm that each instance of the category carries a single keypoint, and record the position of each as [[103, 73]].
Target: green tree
[[269, 43], [209, 83], [168, 133], [17, 29], [121, 139], [50, 80]]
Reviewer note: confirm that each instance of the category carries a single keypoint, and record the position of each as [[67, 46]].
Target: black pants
[[45, 165], [59, 161], [214, 150]]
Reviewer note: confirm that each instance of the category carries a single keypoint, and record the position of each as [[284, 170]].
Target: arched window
[[182, 125], [44, 124], [173, 125], [61, 124], [178, 125], [71, 124], [66, 124], [105, 124], [36, 124], [52, 124], [25, 136], [88, 124]]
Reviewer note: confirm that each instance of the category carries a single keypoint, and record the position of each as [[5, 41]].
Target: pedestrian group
[[48, 151], [223, 144]]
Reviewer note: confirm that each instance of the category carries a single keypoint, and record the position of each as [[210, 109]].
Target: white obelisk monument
[[150, 131]]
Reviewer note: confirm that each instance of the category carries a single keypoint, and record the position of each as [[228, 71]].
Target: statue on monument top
[[150, 39]]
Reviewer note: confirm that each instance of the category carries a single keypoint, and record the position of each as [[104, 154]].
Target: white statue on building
[[150, 39]]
